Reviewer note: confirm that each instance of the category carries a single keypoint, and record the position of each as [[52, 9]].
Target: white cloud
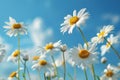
[[4, 49], [113, 18], [38, 33]]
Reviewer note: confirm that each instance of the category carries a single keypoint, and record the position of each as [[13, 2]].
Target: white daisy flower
[[75, 20], [14, 75], [50, 48], [2, 52], [14, 56], [43, 65], [103, 33], [111, 73], [84, 57], [36, 58], [112, 40], [14, 28]]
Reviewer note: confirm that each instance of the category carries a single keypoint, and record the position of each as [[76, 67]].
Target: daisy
[[77, 20], [84, 56], [111, 73], [43, 65], [36, 58], [50, 48], [13, 75], [103, 33], [14, 56], [2, 52], [24, 54], [14, 28], [111, 40]]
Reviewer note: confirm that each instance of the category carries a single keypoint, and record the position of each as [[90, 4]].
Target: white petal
[[7, 27], [68, 17], [35, 66], [71, 29], [57, 44], [81, 12], [74, 13]]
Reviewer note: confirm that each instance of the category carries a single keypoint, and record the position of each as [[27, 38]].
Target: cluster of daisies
[[47, 60]]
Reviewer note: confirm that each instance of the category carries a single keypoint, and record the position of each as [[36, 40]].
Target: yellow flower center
[[101, 34], [73, 20], [13, 74], [109, 73], [84, 54], [42, 62], [108, 44], [35, 58], [16, 26], [49, 47], [16, 53]]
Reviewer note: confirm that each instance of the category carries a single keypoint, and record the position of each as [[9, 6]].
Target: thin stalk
[[82, 34], [86, 77], [74, 72], [48, 78], [98, 78], [64, 65], [70, 76], [26, 69], [116, 52], [19, 57], [28, 73], [24, 74], [39, 74], [44, 77], [56, 72], [93, 72]]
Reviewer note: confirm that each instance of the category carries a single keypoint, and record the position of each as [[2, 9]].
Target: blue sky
[[51, 14]]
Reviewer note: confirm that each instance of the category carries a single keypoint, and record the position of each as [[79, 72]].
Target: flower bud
[[63, 48], [103, 60], [25, 57]]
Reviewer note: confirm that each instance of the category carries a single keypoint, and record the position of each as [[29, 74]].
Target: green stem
[[44, 77], [93, 72], [26, 69], [28, 73], [39, 74], [24, 74], [98, 78], [56, 72], [64, 66], [84, 39], [19, 57], [74, 72], [86, 77], [116, 52], [70, 76], [48, 78]]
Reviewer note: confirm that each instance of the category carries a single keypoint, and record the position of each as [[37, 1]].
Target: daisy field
[[59, 40]]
